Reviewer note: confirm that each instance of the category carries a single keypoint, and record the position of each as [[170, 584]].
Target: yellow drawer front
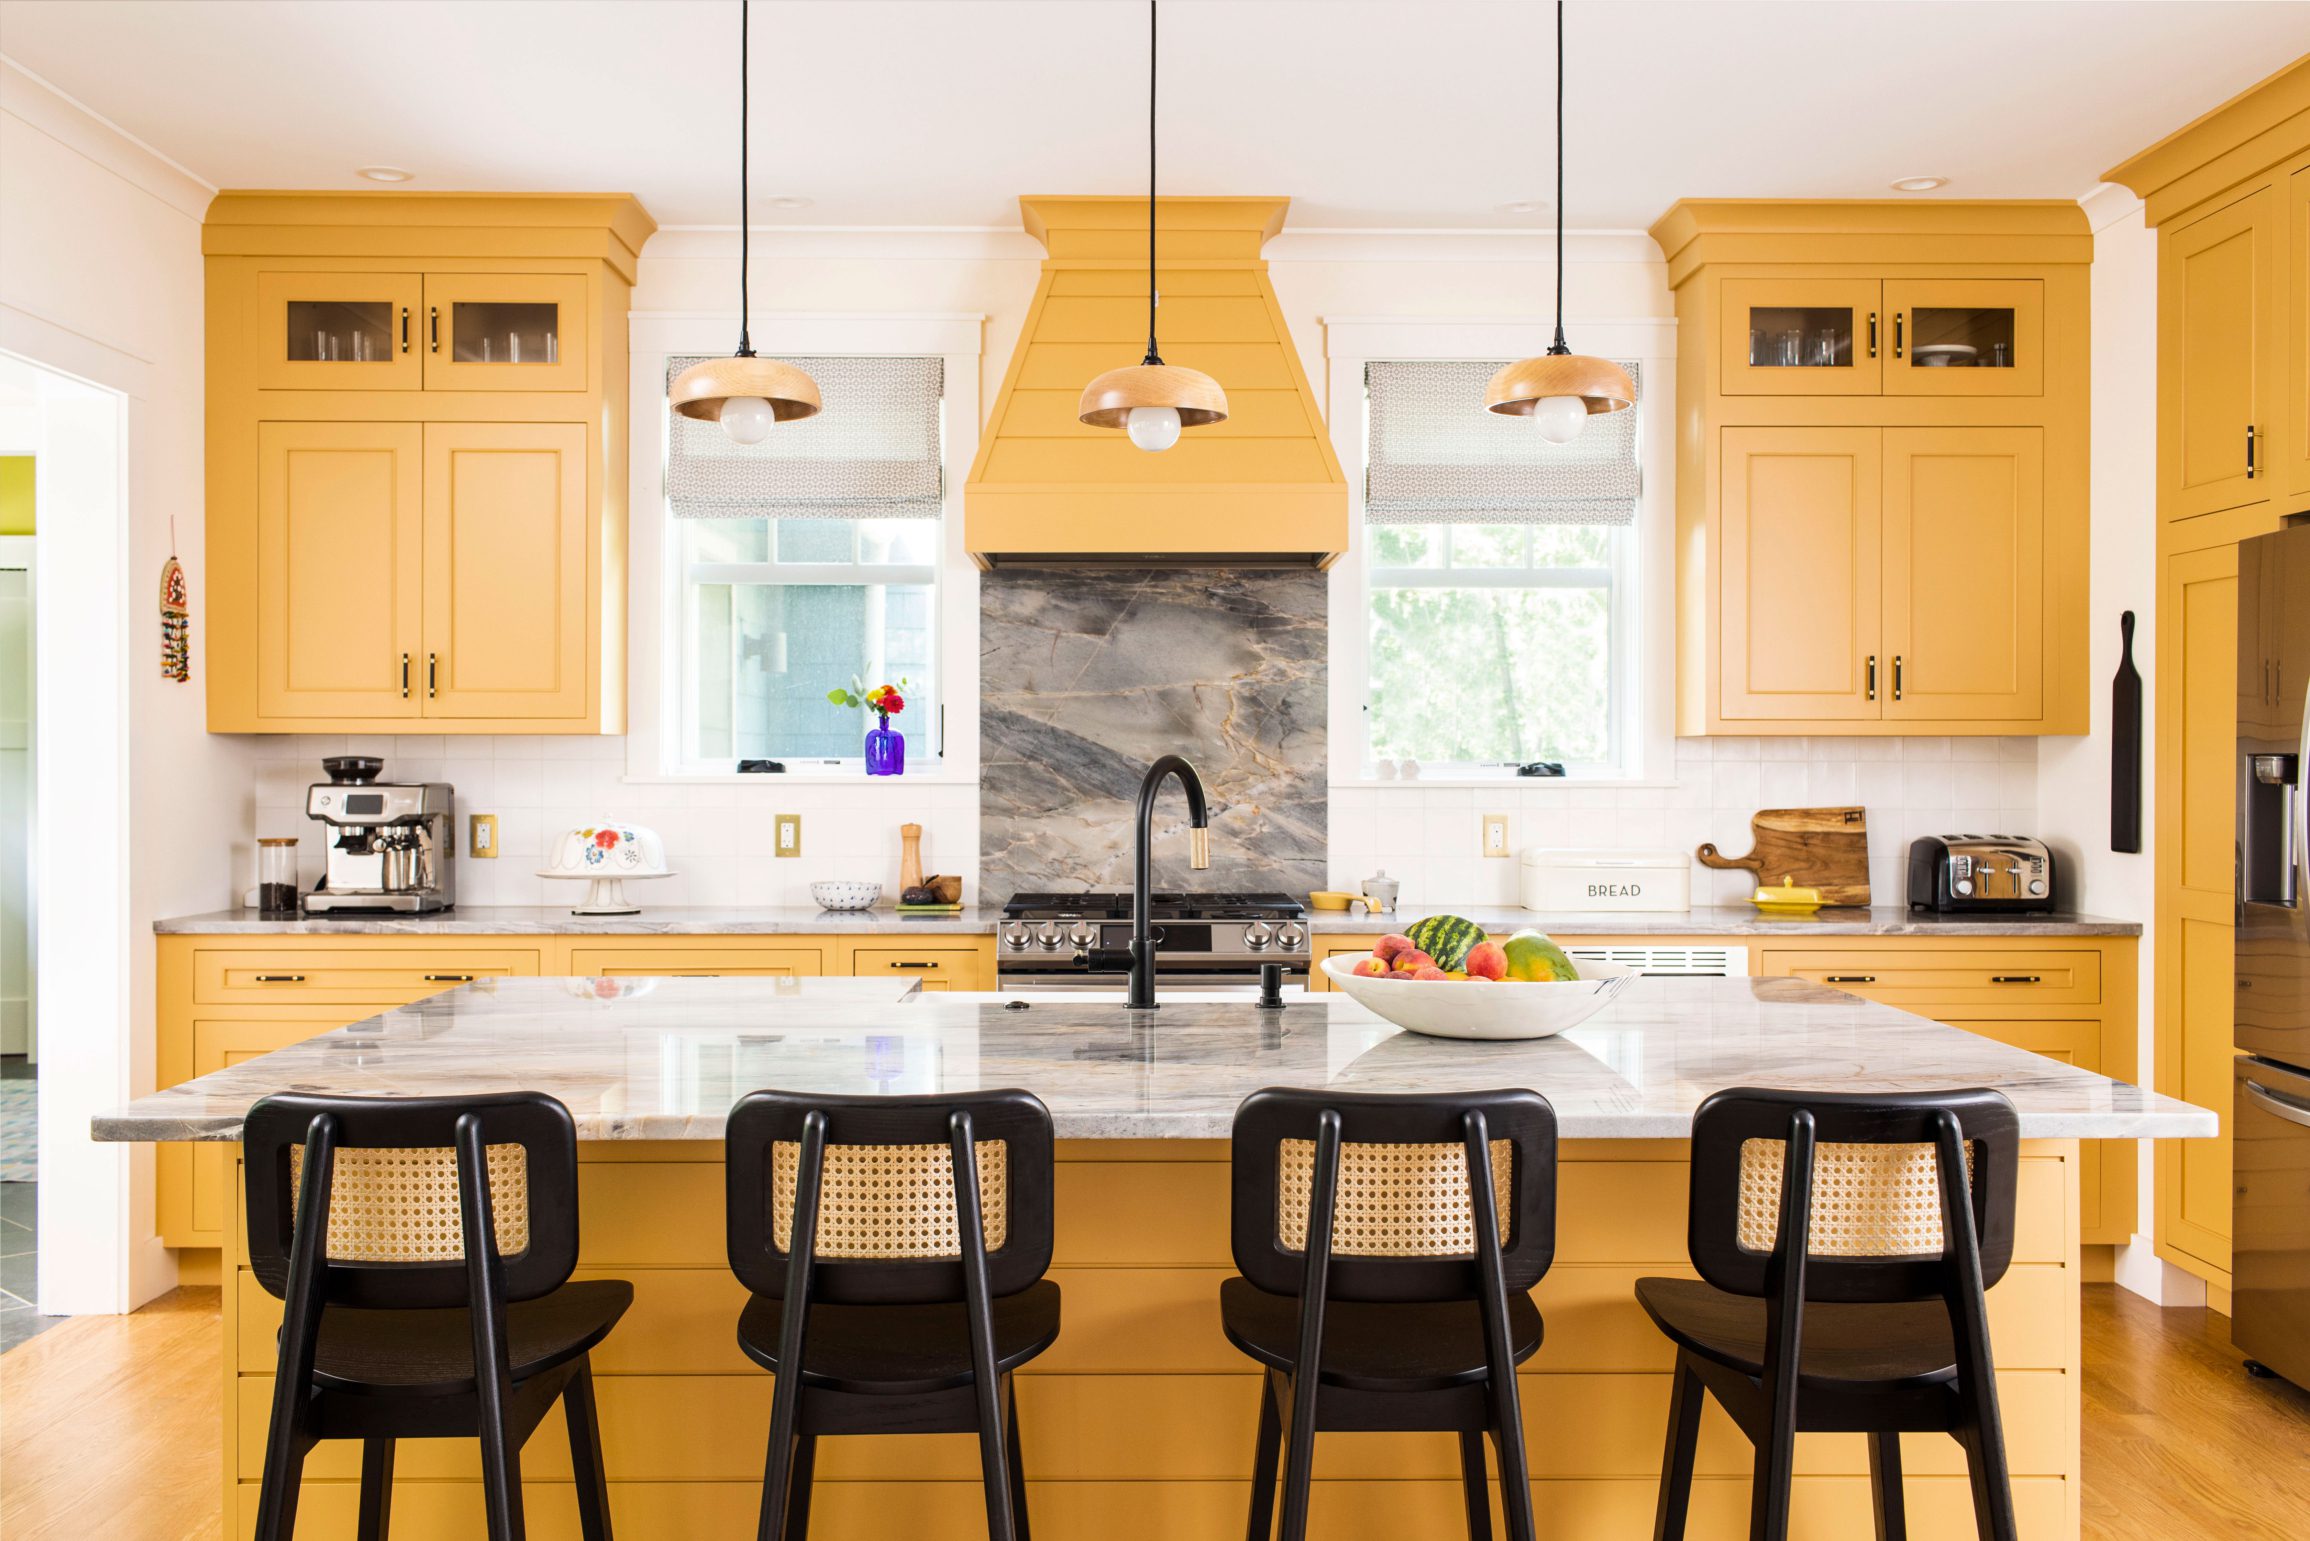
[[935, 970], [194, 1197], [1991, 980], [363, 976], [703, 962]]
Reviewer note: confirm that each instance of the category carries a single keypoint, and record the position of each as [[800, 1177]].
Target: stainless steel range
[[1200, 939]]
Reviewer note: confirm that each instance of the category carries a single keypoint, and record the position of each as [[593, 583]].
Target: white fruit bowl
[[1498, 1009]]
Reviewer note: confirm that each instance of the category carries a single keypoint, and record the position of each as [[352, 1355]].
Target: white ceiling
[[1369, 113]]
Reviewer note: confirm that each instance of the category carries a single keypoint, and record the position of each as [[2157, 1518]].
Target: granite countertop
[[664, 1059], [980, 920]]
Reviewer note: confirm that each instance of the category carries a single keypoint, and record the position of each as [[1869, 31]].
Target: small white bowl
[[841, 895], [1499, 1009]]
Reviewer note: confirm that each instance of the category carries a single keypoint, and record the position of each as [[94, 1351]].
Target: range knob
[[1289, 937], [1083, 934], [1050, 936], [1016, 935], [1257, 935]]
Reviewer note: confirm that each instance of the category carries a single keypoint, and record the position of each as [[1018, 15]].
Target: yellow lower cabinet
[[943, 963], [701, 957]]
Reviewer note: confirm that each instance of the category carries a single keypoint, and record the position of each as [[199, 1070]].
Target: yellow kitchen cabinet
[[337, 331], [1881, 442], [2220, 351], [771, 957], [1964, 594], [453, 360], [224, 999], [937, 963], [506, 565], [2290, 456], [339, 531], [1801, 590]]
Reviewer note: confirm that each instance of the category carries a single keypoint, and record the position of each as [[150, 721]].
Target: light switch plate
[[481, 836], [1495, 834], [789, 838]]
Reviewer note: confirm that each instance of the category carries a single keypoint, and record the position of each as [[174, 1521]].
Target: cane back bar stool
[[1391, 1242], [422, 1249], [895, 1248], [1844, 1242]]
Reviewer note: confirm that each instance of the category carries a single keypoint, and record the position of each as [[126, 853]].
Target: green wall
[[15, 494]]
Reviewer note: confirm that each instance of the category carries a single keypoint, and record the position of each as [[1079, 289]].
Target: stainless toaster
[[1980, 874]]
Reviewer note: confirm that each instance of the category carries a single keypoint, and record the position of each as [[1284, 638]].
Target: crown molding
[[103, 142]]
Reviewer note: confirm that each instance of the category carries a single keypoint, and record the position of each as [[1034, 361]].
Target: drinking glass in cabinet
[[1800, 337], [1960, 337], [340, 331], [505, 332]]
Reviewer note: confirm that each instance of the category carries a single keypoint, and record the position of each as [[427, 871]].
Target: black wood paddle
[[2125, 749]]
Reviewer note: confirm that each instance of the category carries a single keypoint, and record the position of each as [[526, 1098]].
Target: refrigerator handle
[[2277, 1104], [2298, 815]]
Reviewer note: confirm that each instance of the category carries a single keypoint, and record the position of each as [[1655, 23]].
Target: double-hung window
[[809, 562], [1501, 575]]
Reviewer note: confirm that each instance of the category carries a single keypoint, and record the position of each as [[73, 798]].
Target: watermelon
[[1446, 938]]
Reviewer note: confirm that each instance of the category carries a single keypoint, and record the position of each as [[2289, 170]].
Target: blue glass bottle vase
[[885, 751]]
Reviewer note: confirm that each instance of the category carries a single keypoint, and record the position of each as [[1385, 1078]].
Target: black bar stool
[[1843, 1256], [1374, 1243], [411, 1240], [896, 1248]]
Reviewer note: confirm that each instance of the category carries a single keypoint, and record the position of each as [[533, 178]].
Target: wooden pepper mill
[[909, 857]]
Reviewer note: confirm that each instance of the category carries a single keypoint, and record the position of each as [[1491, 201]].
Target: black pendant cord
[[745, 344], [1153, 357], [1559, 345]]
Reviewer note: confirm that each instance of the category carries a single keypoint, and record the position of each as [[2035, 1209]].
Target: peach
[[1370, 968], [1487, 960], [1430, 971], [1411, 962], [1390, 946]]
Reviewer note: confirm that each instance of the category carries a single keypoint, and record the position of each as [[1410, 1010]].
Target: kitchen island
[[1139, 1422]]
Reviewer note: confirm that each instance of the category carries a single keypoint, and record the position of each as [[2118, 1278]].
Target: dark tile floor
[[19, 1207]]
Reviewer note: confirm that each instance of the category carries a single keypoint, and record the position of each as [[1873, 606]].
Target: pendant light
[[1152, 400], [1559, 389], [745, 394]]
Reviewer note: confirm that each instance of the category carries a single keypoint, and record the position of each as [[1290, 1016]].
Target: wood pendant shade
[[700, 390], [1520, 386], [1108, 400]]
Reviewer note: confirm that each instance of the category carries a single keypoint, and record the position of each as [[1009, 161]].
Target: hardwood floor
[[108, 1428]]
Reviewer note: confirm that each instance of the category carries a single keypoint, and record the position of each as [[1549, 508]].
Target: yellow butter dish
[[1331, 899], [1787, 901]]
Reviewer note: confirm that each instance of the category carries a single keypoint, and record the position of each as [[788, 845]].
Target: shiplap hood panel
[[1261, 487]]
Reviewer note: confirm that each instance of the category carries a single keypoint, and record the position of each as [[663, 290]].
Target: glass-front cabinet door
[[338, 331], [1965, 337], [1801, 337], [505, 332]]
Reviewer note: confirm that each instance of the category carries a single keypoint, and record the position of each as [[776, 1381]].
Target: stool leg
[[1017, 1461], [1684, 1408], [782, 1462], [1475, 1489], [1515, 1473], [1885, 1487], [1992, 1487], [376, 1488], [585, 1454], [501, 1480], [798, 1494], [1769, 1492], [1299, 1456], [284, 1470], [1263, 1458]]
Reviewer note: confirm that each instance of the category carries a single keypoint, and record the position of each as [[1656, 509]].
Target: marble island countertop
[[981, 920], [664, 1059]]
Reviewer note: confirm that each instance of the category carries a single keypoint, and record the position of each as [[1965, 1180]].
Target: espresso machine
[[391, 846]]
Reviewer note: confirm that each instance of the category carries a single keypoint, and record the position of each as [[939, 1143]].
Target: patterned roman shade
[[873, 453], [1437, 457]]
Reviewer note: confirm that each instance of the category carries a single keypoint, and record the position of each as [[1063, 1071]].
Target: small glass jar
[[277, 877]]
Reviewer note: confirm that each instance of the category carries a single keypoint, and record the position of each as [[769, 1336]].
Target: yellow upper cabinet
[[2290, 456], [2219, 281], [417, 461], [1881, 448]]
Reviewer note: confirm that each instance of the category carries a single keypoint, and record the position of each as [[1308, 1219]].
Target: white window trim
[[653, 667], [1350, 343]]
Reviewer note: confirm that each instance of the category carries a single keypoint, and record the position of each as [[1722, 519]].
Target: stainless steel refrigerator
[[2270, 1131]]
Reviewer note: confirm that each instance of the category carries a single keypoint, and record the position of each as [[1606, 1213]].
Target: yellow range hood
[[1262, 488]]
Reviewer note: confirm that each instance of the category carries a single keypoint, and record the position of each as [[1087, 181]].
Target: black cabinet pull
[[1872, 677], [433, 325], [2249, 452], [1872, 334], [2017, 979], [280, 979], [404, 329], [1896, 676], [1849, 979], [913, 965], [1900, 317], [404, 676], [449, 979], [432, 675]]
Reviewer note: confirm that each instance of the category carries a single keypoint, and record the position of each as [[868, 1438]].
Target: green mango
[[1532, 957]]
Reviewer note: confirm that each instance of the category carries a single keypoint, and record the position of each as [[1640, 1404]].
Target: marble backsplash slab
[[1087, 676]]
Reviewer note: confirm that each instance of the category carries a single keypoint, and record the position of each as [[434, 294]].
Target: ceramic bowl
[[1496, 1010], [840, 895]]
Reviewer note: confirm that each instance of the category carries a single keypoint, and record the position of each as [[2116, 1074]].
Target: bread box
[[1559, 879]]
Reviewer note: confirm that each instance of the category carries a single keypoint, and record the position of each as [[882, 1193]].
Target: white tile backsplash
[[1428, 836], [718, 835]]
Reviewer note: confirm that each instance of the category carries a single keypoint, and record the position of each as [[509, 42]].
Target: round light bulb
[[747, 419], [1559, 419], [1153, 428]]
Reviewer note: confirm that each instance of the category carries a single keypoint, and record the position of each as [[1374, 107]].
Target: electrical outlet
[[481, 836], [789, 841], [1495, 834]]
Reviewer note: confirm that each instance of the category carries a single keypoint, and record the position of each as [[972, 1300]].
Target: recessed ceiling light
[[1918, 184], [1525, 206], [387, 174], [790, 201]]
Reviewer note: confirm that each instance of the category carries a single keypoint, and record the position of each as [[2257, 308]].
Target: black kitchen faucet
[[1142, 949]]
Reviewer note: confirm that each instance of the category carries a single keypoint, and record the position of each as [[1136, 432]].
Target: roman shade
[[1435, 456], [873, 453]]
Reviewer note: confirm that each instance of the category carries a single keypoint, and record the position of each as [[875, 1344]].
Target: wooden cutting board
[[1823, 848]]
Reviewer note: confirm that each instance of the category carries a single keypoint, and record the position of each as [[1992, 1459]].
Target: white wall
[[100, 275]]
